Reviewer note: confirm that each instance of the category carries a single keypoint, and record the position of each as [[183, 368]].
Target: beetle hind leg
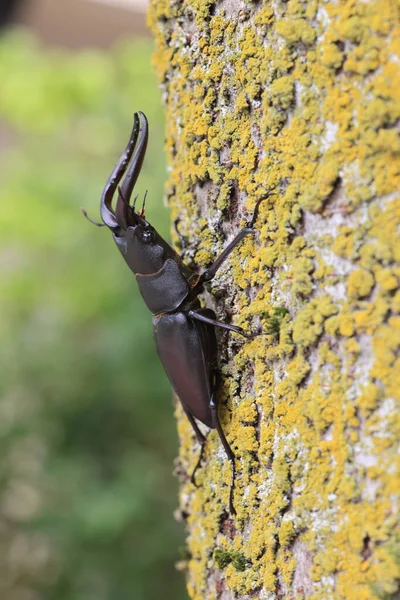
[[217, 425], [202, 441]]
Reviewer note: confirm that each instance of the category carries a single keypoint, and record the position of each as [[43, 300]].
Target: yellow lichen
[[332, 56], [296, 30], [298, 369], [281, 92], [360, 283]]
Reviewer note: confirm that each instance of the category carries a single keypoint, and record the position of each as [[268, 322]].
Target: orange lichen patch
[[298, 99]]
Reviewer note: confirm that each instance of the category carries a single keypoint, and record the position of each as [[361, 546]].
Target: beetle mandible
[[184, 332]]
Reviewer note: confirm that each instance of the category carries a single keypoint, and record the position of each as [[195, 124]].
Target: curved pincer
[[107, 214], [127, 186]]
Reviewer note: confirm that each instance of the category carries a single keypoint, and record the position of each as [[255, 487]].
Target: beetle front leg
[[211, 271], [227, 448], [182, 240]]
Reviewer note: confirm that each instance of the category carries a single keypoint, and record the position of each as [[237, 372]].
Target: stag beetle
[[183, 331]]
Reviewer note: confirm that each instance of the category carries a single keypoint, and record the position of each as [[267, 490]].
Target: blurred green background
[[87, 431]]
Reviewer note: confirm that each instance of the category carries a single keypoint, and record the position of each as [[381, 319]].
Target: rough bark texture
[[300, 98]]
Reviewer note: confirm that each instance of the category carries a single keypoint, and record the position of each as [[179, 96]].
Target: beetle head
[[143, 249]]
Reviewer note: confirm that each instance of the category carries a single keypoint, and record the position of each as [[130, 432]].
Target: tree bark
[[302, 100]]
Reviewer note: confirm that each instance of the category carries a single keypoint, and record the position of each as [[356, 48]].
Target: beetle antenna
[[90, 219], [134, 202]]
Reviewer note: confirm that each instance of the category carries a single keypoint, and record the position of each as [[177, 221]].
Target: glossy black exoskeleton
[[184, 332]]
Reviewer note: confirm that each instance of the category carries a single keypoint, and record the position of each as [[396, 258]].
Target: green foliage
[[86, 417]]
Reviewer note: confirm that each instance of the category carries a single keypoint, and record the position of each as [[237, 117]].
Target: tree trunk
[[302, 100]]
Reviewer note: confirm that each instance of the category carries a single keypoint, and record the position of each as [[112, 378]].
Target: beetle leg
[[257, 206], [200, 317], [211, 271], [228, 449], [182, 240], [200, 438]]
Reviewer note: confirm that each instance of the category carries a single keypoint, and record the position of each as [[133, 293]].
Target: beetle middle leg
[[199, 315]]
